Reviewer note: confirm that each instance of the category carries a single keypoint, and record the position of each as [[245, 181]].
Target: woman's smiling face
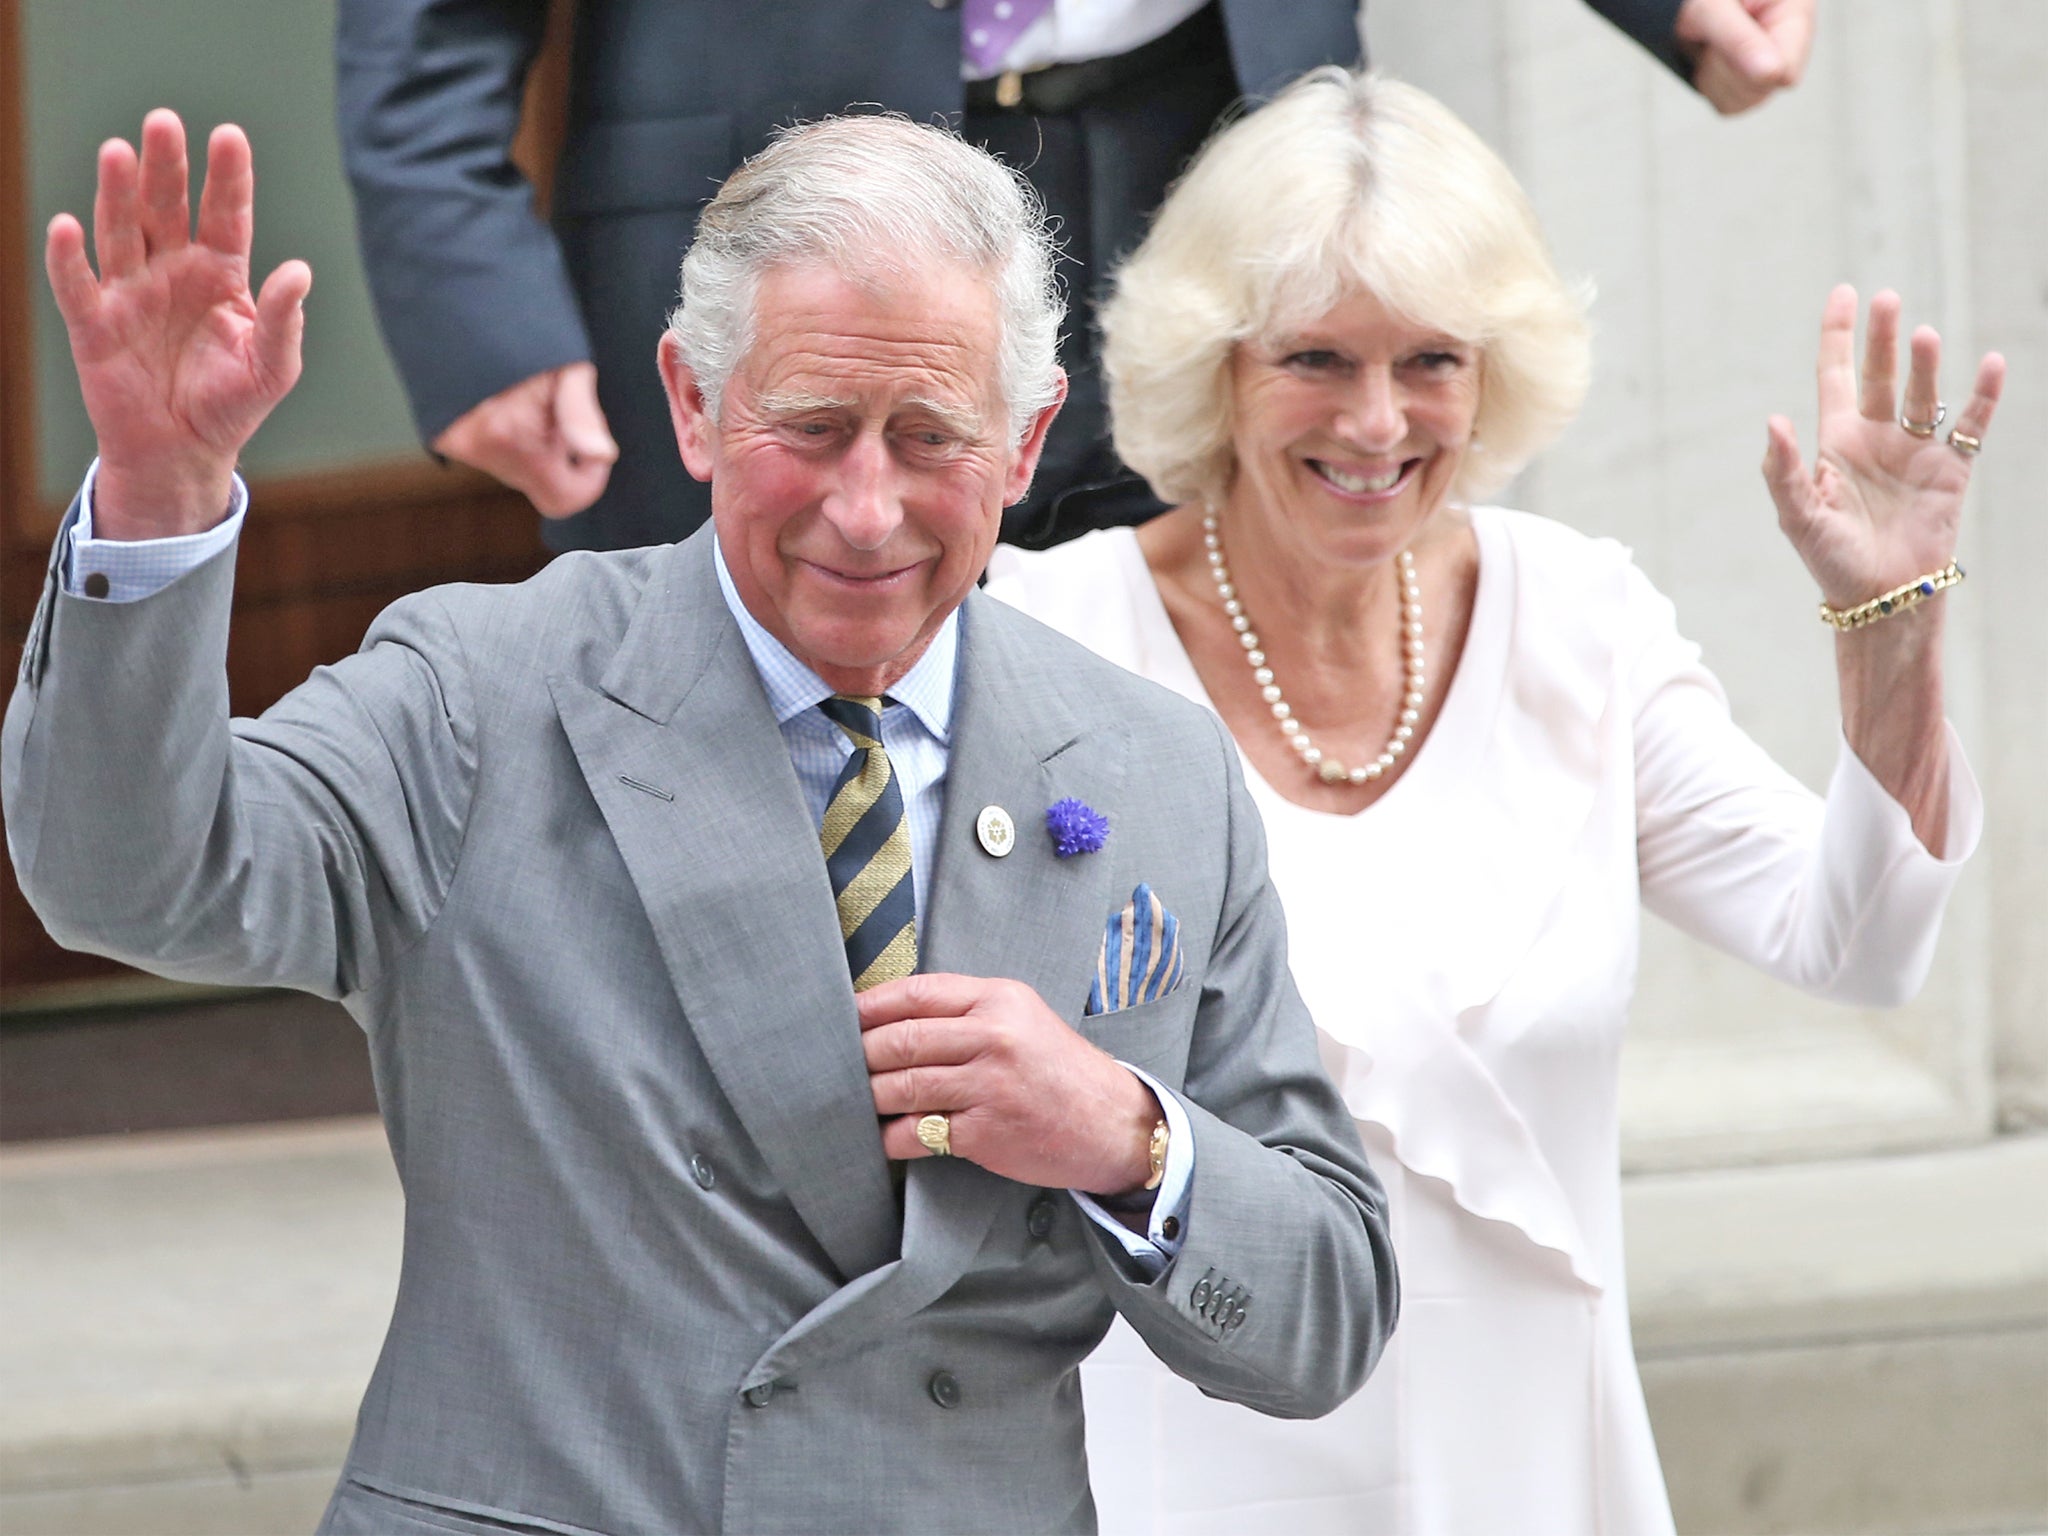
[[1348, 430]]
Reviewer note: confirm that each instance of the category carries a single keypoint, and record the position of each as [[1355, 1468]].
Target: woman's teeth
[[1359, 484]]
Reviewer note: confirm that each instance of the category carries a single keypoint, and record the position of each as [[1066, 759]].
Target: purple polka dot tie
[[989, 27]]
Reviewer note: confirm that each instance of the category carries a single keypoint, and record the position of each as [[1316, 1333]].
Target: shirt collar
[[926, 690]]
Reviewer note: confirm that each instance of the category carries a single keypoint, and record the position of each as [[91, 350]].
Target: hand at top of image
[[1745, 51], [178, 361]]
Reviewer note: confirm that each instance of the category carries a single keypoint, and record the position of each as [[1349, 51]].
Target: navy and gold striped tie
[[867, 851]]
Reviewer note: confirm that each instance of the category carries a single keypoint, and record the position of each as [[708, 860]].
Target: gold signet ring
[[1963, 443], [936, 1132]]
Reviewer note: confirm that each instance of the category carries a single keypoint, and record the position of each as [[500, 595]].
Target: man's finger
[[934, 995], [923, 1042], [116, 232], [1790, 23], [579, 419], [1881, 358], [165, 204], [71, 281], [1725, 29], [227, 201], [1835, 366], [281, 325], [922, 1091]]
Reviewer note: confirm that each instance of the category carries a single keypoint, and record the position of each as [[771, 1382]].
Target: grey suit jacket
[[546, 844]]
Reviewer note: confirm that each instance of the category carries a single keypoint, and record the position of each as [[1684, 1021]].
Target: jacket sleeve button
[[944, 1388], [700, 1170]]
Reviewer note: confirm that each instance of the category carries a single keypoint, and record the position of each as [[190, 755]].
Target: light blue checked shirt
[[916, 731]]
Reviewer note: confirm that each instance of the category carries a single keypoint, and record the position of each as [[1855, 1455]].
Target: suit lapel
[[693, 778], [1029, 915]]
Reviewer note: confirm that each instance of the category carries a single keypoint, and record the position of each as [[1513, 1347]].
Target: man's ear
[[696, 431], [1024, 461]]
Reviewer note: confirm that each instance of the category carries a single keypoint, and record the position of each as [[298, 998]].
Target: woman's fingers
[[71, 280], [227, 202], [1923, 378], [1785, 473], [116, 230], [1974, 420], [164, 207], [1835, 366], [1881, 358]]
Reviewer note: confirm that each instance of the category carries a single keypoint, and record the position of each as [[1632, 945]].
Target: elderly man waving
[[806, 999]]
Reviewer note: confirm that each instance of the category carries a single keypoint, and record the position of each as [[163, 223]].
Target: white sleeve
[[133, 569], [1836, 896]]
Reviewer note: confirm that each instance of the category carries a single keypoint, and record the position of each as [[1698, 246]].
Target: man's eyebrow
[[956, 419], [785, 403]]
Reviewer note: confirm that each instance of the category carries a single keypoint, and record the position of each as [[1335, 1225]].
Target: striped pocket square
[[1141, 959]]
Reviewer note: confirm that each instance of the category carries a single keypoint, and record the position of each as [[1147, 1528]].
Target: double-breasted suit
[[546, 844]]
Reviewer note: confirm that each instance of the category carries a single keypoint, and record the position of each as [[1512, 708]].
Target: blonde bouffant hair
[[1346, 180]]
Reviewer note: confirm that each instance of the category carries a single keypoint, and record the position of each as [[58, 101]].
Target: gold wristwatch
[[1155, 1152]]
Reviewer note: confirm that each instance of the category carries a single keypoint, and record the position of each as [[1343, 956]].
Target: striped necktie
[[866, 839]]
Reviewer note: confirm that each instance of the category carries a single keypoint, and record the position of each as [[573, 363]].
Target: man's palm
[[178, 362]]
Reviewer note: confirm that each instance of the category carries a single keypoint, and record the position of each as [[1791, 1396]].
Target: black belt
[[1063, 87]]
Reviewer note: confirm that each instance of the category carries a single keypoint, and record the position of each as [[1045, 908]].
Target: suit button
[[944, 1388], [700, 1170], [1038, 1220], [761, 1396]]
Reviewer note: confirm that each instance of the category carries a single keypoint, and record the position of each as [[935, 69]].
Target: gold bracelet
[[1895, 601]]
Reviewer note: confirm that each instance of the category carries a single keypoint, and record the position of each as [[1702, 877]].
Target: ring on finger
[[935, 1132], [1963, 443], [1925, 428]]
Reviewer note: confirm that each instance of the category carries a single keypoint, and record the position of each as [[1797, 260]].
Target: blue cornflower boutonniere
[[1075, 828]]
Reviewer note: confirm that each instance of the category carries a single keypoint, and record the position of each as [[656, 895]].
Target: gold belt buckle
[[1010, 88]]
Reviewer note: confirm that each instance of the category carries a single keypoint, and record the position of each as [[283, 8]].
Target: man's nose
[[866, 503], [1375, 416]]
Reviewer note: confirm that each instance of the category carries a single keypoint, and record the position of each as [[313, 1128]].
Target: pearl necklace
[[1328, 769]]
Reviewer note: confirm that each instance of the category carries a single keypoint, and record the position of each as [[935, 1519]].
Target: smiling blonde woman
[[1480, 745]]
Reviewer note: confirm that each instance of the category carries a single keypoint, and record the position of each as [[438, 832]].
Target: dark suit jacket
[[475, 294], [546, 844]]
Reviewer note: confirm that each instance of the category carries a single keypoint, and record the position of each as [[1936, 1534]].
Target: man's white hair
[[874, 197]]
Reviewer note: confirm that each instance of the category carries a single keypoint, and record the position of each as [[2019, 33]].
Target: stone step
[[1843, 1347]]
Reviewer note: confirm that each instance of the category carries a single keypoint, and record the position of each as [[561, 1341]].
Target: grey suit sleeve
[[468, 282], [1284, 1292], [290, 850]]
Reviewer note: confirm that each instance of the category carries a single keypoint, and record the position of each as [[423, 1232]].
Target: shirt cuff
[[132, 569], [1160, 1243]]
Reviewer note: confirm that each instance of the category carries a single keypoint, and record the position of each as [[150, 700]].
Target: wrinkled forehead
[[877, 335]]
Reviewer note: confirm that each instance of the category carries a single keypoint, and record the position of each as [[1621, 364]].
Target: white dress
[[1468, 948]]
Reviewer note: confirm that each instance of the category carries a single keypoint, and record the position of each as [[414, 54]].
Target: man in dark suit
[[524, 349], [807, 997]]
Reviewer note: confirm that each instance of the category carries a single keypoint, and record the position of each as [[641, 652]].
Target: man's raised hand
[[178, 361]]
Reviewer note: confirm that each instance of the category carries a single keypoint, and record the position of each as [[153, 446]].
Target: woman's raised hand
[[178, 362], [1881, 503]]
